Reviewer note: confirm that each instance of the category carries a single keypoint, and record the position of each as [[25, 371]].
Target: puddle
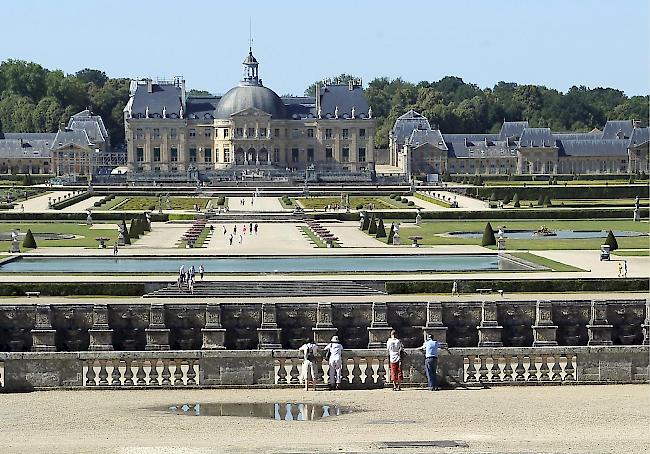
[[277, 411]]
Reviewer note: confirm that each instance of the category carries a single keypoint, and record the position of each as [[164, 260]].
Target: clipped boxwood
[[411, 203], [74, 288]]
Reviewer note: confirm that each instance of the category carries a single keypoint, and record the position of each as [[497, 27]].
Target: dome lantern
[[251, 76]]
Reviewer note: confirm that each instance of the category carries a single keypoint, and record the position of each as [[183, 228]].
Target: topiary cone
[[372, 229], [381, 230], [610, 241], [488, 236], [29, 241]]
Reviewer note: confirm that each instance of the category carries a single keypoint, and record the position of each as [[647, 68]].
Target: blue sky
[[557, 43]]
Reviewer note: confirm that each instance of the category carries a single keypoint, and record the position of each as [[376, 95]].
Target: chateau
[[171, 135], [416, 147]]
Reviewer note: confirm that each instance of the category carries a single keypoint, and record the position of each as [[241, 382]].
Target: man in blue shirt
[[430, 348]]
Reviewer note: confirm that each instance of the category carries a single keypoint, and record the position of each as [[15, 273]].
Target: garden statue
[[89, 218], [369, 112], [418, 217], [396, 239], [637, 214], [15, 247], [362, 218], [336, 112], [354, 112], [121, 235], [167, 202], [160, 206]]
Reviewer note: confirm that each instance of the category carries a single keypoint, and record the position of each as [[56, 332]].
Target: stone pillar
[[434, 325], [489, 331], [544, 331], [324, 329], [646, 324], [599, 329], [269, 333], [379, 331], [214, 335], [157, 333], [43, 334], [101, 336]]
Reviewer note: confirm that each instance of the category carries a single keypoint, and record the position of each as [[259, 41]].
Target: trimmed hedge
[[106, 199], [562, 192], [57, 217], [521, 285], [71, 200], [70, 288]]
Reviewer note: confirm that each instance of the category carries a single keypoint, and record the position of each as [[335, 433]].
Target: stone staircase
[[265, 289]]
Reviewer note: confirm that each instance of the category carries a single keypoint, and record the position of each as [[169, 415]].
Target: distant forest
[[35, 99]]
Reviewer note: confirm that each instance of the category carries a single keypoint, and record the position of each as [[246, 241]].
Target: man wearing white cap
[[334, 350]]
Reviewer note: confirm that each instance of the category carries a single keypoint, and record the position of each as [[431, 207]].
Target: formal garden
[[391, 202], [58, 234], [151, 203]]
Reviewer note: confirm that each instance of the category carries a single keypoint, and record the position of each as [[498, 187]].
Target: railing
[[2, 374], [528, 367], [152, 372]]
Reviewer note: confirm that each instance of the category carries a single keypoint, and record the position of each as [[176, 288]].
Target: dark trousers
[[430, 366]]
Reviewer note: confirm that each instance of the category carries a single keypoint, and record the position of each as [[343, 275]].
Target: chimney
[[149, 86], [465, 141], [619, 134], [636, 123], [350, 85]]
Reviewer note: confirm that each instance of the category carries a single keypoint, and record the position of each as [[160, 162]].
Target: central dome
[[250, 96]]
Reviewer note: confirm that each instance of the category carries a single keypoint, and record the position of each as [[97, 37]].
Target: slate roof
[[405, 125], [46, 136], [427, 136], [537, 137], [470, 137], [612, 128], [77, 137], [162, 96], [249, 96], [29, 147], [577, 135], [596, 147], [512, 129], [332, 96], [479, 149], [639, 136], [91, 123], [202, 106]]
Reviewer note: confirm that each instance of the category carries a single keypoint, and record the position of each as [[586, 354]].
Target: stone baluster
[[646, 324], [520, 370], [157, 333], [153, 372], [269, 333], [532, 368], [128, 373], [178, 373], [599, 329], [379, 330], [356, 371], [569, 369], [370, 372], [116, 375], [544, 330], [434, 326], [482, 370], [543, 369], [214, 335], [556, 369], [191, 373], [381, 372], [101, 336], [471, 369], [90, 372], [507, 368], [140, 375], [103, 373], [281, 378], [166, 374], [43, 334], [294, 373], [324, 329], [495, 370], [489, 331]]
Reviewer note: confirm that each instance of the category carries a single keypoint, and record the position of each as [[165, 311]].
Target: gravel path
[[550, 419]]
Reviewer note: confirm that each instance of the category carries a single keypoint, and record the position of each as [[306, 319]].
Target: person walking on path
[[454, 289], [115, 249], [431, 348], [395, 349], [230, 239], [256, 228], [192, 272], [334, 358], [624, 268], [620, 269], [308, 350], [201, 270]]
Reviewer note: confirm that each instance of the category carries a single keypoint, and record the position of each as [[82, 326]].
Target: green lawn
[[433, 200], [314, 238], [432, 232], [543, 261], [86, 236], [585, 203], [645, 253], [380, 202], [151, 203], [289, 205], [568, 183]]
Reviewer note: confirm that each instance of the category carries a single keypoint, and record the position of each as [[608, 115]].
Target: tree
[[196, 93], [127, 240], [92, 76], [341, 79], [134, 231], [372, 229], [29, 242], [611, 241], [381, 230], [515, 201], [391, 234], [488, 236], [366, 222]]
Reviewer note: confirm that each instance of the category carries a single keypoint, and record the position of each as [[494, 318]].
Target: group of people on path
[[396, 354], [622, 268], [252, 230], [188, 276]]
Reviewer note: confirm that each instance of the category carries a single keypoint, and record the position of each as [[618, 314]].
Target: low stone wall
[[363, 369]]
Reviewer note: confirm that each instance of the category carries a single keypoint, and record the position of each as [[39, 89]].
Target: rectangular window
[[276, 132], [216, 154], [156, 133], [345, 154], [207, 132], [251, 132], [295, 154], [346, 133], [139, 133], [239, 132], [276, 154], [362, 133], [174, 169], [328, 154], [192, 154], [362, 155], [173, 154], [226, 155], [207, 155], [295, 132], [328, 133], [172, 133], [156, 154], [310, 155], [156, 169], [226, 133], [262, 132], [310, 132], [192, 132], [139, 154]]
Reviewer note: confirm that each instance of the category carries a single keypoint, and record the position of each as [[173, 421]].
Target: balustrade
[[141, 372], [530, 366]]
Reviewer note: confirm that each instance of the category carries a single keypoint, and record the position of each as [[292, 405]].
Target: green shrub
[[404, 201], [540, 200], [360, 206], [146, 227], [411, 203], [134, 231], [488, 236], [372, 228], [393, 195], [68, 288], [398, 198], [381, 230], [127, 240], [611, 241], [493, 197], [391, 234], [547, 201], [29, 241], [506, 199], [515, 200], [366, 223]]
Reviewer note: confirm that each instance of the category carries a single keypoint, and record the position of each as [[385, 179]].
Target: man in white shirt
[[308, 350], [394, 347], [335, 361]]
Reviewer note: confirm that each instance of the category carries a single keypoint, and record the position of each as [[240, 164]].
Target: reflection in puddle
[[277, 411]]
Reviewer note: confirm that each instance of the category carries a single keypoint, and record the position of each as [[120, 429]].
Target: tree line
[[36, 99], [459, 107]]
